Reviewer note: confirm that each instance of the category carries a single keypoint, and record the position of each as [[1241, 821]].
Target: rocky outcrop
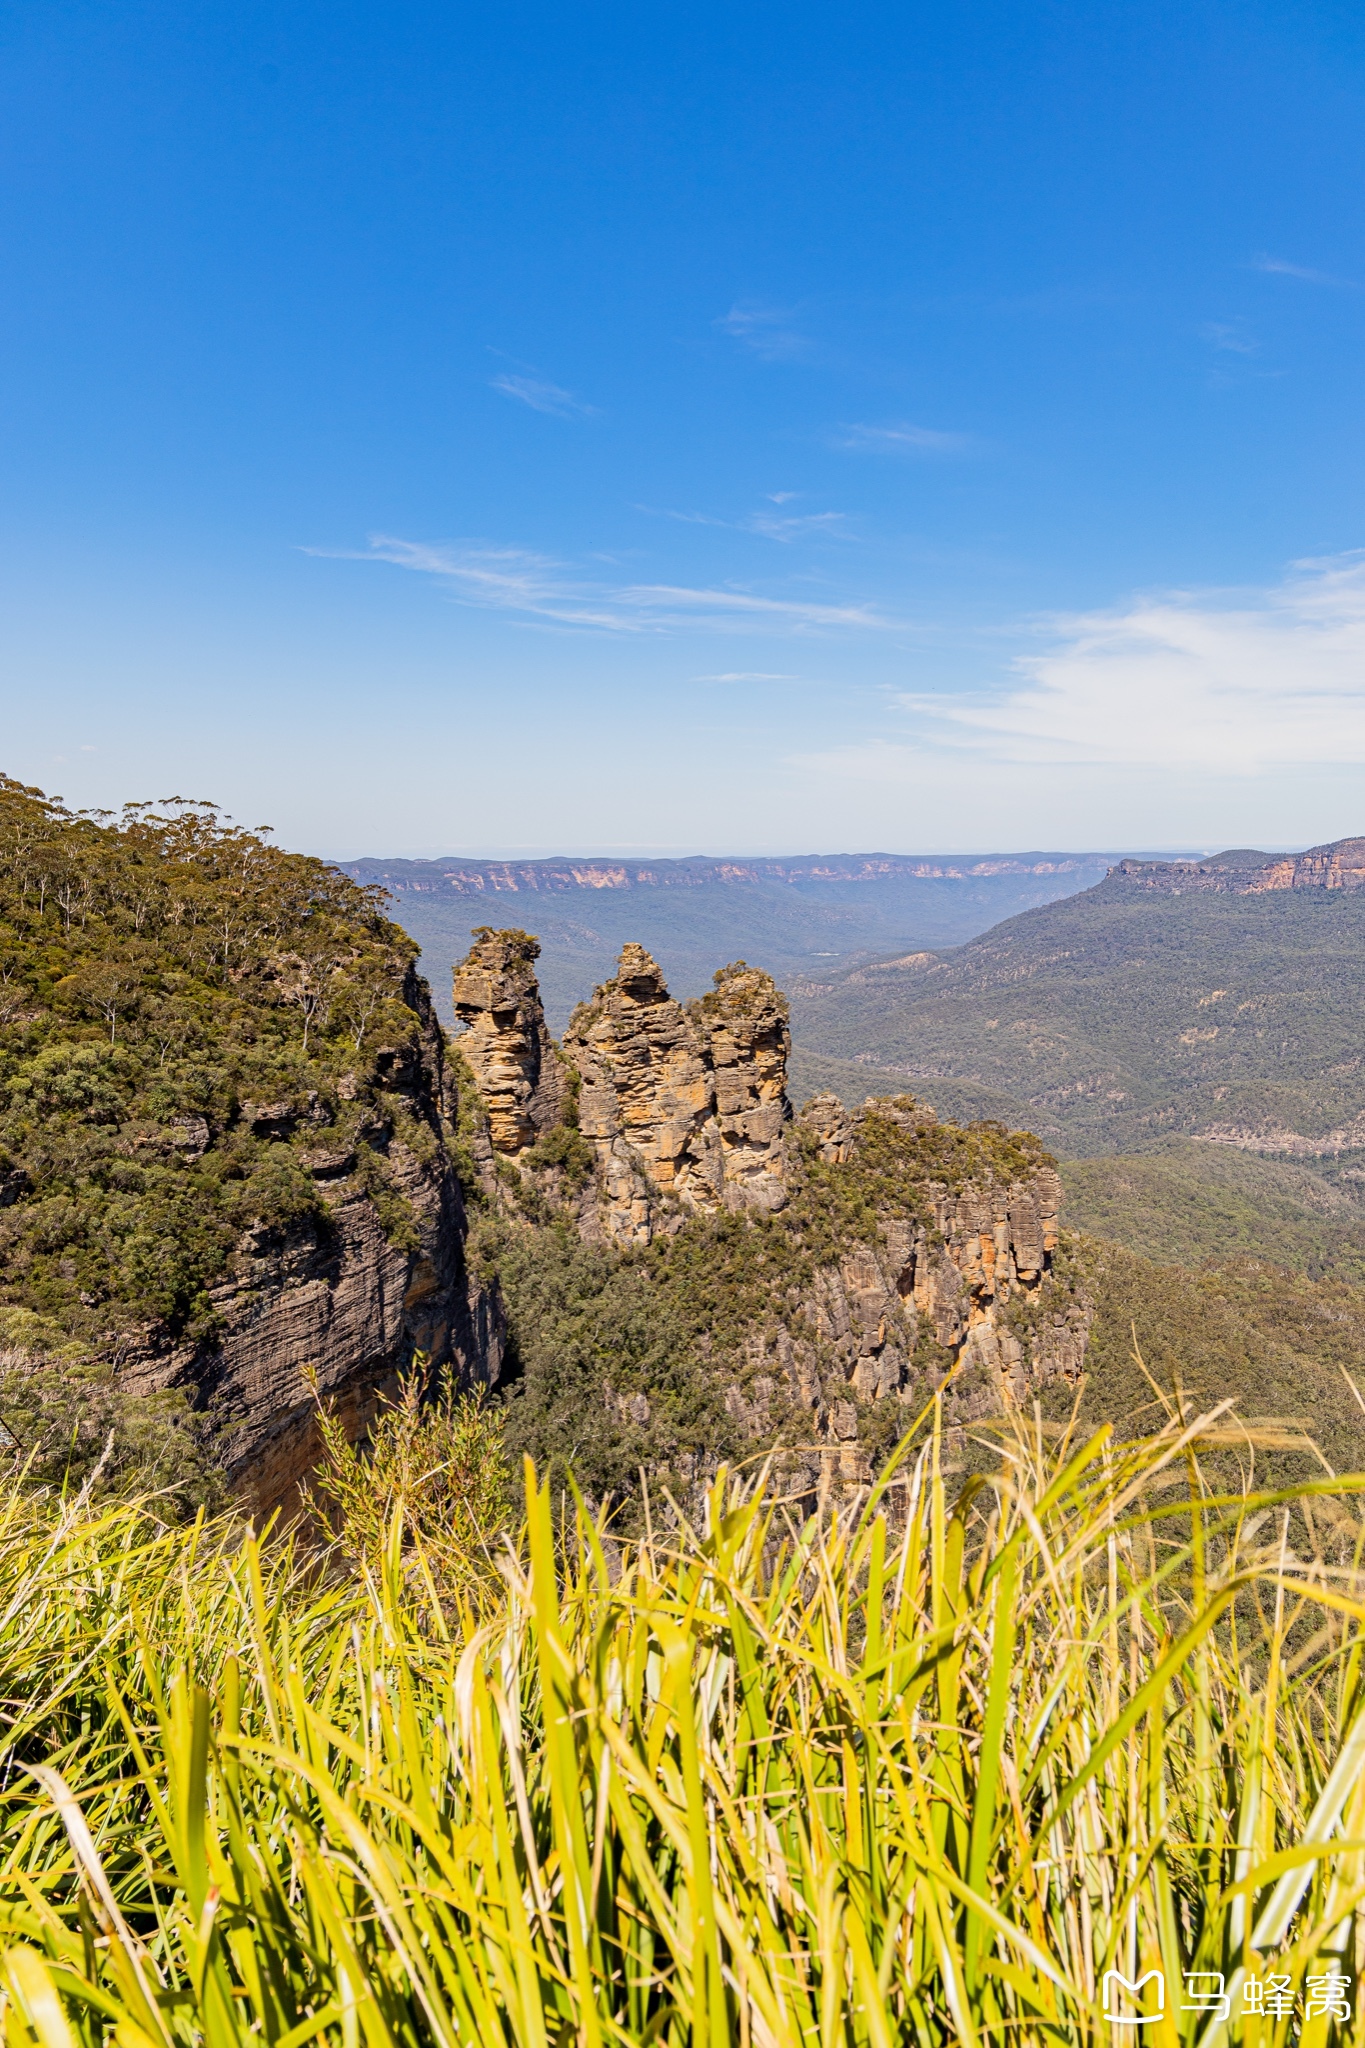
[[505, 1039], [744, 1027], [922, 1259], [685, 1109], [1338, 865], [958, 1297], [682, 1109], [336, 1304]]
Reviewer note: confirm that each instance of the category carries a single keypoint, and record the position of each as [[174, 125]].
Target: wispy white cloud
[[792, 526], [1275, 266], [684, 518], [747, 675], [768, 330], [779, 526], [902, 437], [1232, 337], [542, 396], [1228, 685], [518, 581]]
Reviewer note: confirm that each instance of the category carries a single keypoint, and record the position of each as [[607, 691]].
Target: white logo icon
[[1117, 1988]]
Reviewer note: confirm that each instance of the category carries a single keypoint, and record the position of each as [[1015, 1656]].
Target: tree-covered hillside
[[186, 1011], [1119, 1016], [1186, 1202]]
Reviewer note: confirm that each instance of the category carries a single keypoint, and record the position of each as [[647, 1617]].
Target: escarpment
[[333, 1303], [1338, 865], [864, 1258], [228, 1150]]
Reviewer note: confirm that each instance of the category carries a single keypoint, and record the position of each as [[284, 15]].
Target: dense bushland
[[1117, 1017], [157, 974], [185, 1011]]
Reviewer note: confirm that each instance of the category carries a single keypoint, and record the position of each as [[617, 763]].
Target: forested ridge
[[184, 1008], [1118, 1017]]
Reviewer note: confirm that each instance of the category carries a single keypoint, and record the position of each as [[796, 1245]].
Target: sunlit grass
[[924, 1775]]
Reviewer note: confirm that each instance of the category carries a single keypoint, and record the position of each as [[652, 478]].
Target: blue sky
[[714, 429]]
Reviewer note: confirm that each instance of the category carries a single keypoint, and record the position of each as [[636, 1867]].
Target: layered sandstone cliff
[[1338, 865], [336, 1304]]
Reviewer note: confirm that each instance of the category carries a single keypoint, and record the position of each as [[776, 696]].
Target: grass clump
[[926, 1774], [428, 1485]]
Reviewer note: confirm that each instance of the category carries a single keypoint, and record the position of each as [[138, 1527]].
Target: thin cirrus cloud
[[538, 587], [747, 675], [542, 396], [779, 526], [901, 437], [1230, 337], [1235, 687], [768, 330], [1275, 266]]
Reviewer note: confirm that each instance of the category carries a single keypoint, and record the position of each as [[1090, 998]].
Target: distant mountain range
[[1219, 999], [807, 913]]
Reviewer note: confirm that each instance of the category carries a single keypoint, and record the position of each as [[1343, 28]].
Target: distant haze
[[802, 914]]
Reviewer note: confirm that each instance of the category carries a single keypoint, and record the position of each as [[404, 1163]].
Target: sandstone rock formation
[[505, 1039], [1338, 865], [968, 1276], [685, 1104], [682, 1111], [336, 1304], [744, 1024], [647, 1102]]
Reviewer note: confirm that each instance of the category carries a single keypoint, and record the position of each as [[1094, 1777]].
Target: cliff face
[[960, 1294], [1338, 865], [560, 877], [336, 1304]]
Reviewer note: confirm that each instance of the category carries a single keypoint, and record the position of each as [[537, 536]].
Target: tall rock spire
[[744, 1020], [685, 1104], [506, 1041]]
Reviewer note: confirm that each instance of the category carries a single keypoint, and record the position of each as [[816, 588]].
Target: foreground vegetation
[[926, 1774]]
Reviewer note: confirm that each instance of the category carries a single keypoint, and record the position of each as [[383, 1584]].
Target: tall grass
[[923, 1776]]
